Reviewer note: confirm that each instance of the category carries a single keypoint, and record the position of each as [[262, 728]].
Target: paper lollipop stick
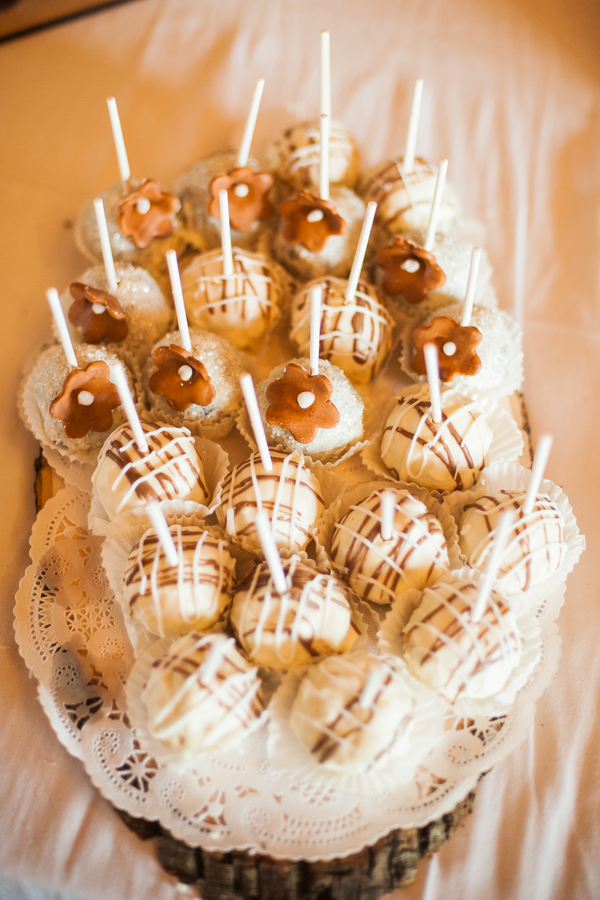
[[325, 75], [471, 285], [361, 249], [225, 234], [119, 379], [435, 206], [537, 472], [61, 326], [316, 301], [408, 163], [493, 564], [211, 664], [388, 513], [115, 124], [260, 437], [159, 523], [432, 366], [244, 153], [263, 526], [324, 159], [109, 263], [182, 321]]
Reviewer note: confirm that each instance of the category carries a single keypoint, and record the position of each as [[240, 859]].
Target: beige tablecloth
[[512, 98]]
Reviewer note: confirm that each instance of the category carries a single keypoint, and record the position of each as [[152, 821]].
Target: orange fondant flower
[[148, 213], [301, 403], [86, 400], [98, 314], [181, 378], [310, 221], [247, 194], [457, 347], [409, 270]]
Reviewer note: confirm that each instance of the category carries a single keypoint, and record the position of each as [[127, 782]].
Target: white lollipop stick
[[432, 366], [361, 249], [115, 124], [182, 321], [61, 326], [316, 300], [493, 564], [159, 523], [471, 285], [263, 526], [211, 664], [244, 153], [109, 263], [325, 75], [225, 233], [537, 473], [388, 513], [119, 379], [260, 437], [324, 159], [408, 163], [435, 206]]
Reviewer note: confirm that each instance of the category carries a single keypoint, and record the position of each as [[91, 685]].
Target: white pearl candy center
[[306, 399], [449, 348], [98, 308], [241, 190], [85, 398], [410, 265], [143, 206], [185, 372], [315, 215]]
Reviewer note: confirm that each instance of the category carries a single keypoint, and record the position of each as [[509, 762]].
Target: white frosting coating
[[295, 156]]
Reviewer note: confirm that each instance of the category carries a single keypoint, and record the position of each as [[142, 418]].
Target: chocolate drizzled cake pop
[[295, 156]]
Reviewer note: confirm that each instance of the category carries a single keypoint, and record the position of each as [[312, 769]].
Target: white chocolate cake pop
[[381, 569], [295, 156], [202, 695], [290, 493], [191, 596], [311, 619], [355, 335], [444, 456], [126, 478], [535, 549]]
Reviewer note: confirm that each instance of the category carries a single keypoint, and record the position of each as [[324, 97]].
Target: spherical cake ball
[[312, 619], [290, 493], [454, 655], [334, 430], [202, 695], [381, 570], [535, 547], [404, 200], [185, 393], [295, 157], [191, 596], [444, 456], [356, 335], [52, 378], [336, 257], [127, 478], [241, 308]]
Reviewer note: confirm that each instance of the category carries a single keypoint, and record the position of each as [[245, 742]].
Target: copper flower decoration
[[301, 403], [148, 213], [98, 314], [310, 221], [181, 378], [457, 347], [86, 400], [409, 270], [248, 201]]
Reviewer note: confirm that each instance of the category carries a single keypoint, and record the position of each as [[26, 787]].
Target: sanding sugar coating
[[355, 335], [191, 596], [295, 156], [148, 315], [290, 493], [127, 478], [311, 619], [404, 200], [329, 443], [224, 369], [336, 256], [380, 570], [535, 547], [455, 656], [241, 307], [202, 695], [444, 456]]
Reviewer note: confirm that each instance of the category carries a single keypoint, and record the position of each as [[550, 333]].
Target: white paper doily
[[73, 638]]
